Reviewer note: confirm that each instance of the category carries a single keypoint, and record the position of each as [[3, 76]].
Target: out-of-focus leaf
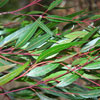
[[90, 94], [90, 76], [3, 2], [59, 93], [27, 35], [40, 71], [95, 65], [43, 97], [55, 18], [8, 77], [56, 49], [79, 61], [54, 4], [95, 17], [76, 13], [24, 94], [35, 42], [3, 68]]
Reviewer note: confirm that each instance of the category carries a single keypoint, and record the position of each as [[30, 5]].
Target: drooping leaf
[[40, 71], [54, 4], [35, 42], [8, 77]]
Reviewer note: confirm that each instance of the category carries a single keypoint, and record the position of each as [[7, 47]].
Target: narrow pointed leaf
[[43, 97], [56, 49], [90, 94], [45, 28], [70, 78], [54, 4], [40, 71], [35, 42], [8, 77], [3, 2], [95, 65], [14, 35], [27, 35], [88, 36], [3, 68]]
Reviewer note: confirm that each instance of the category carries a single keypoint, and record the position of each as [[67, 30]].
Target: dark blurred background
[[75, 5], [68, 7]]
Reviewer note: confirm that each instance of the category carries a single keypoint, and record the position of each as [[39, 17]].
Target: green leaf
[[55, 18], [90, 44], [35, 42], [8, 77], [54, 75], [3, 2], [50, 25], [55, 49], [24, 94], [3, 68], [72, 36], [90, 76], [54, 4], [76, 13], [95, 65], [95, 17], [40, 71], [86, 37], [90, 94], [27, 35], [79, 61], [14, 35], [43, 97], [70, 78], [44, 27]]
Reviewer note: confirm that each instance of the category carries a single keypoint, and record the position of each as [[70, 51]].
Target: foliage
[[37, 52]]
